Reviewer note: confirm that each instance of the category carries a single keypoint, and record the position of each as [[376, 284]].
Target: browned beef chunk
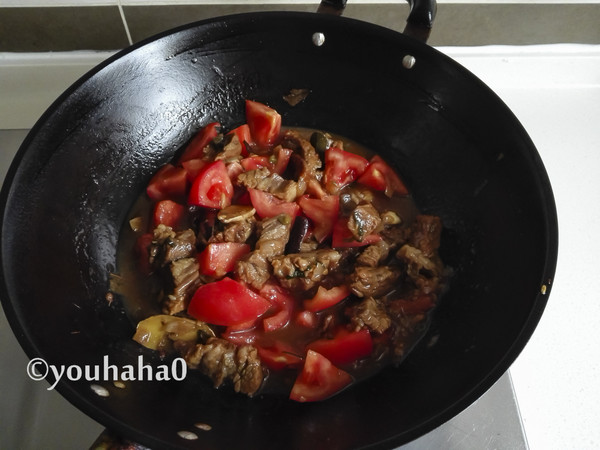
[[305, 270], [274, 234], [222, 360], [395, 235], [426, 233], [238, 232], [262, 179], [363, 221], [373, 255], [253, 269], [373, 281], [416, 261], [305, 159], [168, 246], [185, 276], [422, 270], [370, 314], [236, 223]]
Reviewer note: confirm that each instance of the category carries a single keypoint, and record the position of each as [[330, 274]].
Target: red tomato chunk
[[169, 182], [264, 123], [345, 347], [219, 258], [226, 302], [212, 187], [319, 379]]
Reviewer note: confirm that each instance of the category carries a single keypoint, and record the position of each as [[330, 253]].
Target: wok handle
[[420, 20], [418, 24], [332, 7]]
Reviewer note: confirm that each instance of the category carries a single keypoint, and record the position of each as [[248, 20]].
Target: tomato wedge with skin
[[226, 302], [193, 168], [381, 177], [169, 182], [319, 379], [284, 304], [267, 205], [212, 187], [264, 123], [342, 168], [195, 148], [282, 159], [168, 213], [345, 347], [277, 163], [255, 162], [343, 237], [243, 134], [323, 212], [219, 258], [326, 298]]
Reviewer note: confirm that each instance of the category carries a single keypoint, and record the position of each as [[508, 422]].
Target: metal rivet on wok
[[408, 61], [318, 39], [187, 435], [99, 390]]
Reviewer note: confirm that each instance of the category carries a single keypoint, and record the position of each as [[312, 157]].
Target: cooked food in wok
[[279, 260]]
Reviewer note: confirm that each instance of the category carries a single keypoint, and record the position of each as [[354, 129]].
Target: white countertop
[[554, 90], [555, 93]]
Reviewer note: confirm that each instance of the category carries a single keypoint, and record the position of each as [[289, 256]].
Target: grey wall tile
[[61, 28], [512, 24]]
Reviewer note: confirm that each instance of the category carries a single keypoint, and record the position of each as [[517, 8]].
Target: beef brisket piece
[[254, 268], [185, 275], [423, 271], [371, 314], [305, 270], [263, 180], [235, 223], [373, 281], [238, 232], [274, 233], [222, 360], [168, 246], [373, 255], [364, 220], [305, 159]]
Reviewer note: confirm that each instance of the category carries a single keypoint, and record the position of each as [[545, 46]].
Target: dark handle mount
[[419, 21]]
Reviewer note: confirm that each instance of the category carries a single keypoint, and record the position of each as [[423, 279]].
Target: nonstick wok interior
[[461, 151]]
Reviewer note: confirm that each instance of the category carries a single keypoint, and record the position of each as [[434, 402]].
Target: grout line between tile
[[124, 20]]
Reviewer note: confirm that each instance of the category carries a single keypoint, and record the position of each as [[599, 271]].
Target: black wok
[[459, 148]]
